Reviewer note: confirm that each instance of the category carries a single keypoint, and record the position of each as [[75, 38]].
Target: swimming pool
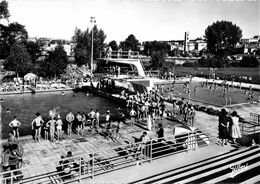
[[25, 106]]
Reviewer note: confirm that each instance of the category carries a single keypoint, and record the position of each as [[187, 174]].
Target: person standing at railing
[[223, 126], [192, 114], [160, 133], [235, 132], [5, 158], [130, 53], [132, 116]]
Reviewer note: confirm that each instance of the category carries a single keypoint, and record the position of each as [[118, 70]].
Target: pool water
[[25, 106]]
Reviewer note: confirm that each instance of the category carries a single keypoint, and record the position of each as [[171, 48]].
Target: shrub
[[196, 107], [202, 108], [210, 111], [249, 61]]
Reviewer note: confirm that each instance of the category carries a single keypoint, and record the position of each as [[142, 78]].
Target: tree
[[55, 63], [83, 42], [4, 12], [154, 46], [34, 49], [11, 33], [113, 45], [222, 35], [19, 60], [130, 43], [158, 59], [249, 61]]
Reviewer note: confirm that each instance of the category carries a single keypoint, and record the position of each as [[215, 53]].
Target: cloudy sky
[[146, 19]]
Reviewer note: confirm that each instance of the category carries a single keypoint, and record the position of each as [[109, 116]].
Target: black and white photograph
[[129, 91]]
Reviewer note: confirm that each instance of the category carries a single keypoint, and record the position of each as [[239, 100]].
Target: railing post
[[151, 151], [12, 178], [196, 141], [93, 162], [80, 169]]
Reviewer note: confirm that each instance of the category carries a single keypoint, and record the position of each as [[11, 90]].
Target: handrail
[[88, 166], [255, 118], [120, 54]]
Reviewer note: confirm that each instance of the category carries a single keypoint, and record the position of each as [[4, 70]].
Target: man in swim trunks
[[70, 118], [36, 126], [92, 117], [79, 123], [15, 124]]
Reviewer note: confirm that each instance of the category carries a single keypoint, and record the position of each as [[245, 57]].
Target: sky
[[148, 20]]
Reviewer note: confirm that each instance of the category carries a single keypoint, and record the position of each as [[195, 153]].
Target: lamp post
[[92, 21]]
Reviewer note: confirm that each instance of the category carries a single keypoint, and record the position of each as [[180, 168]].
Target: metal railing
[[255, 119], [86, 166], [251, 127], [120, 54]]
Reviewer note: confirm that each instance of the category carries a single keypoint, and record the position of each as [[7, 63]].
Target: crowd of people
[[52, 129], [20, 85]]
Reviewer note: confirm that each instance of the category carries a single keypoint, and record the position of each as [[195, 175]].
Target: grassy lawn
[[204, 94], [223, 73]]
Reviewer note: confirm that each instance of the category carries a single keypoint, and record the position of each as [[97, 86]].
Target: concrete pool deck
[[43, 152]]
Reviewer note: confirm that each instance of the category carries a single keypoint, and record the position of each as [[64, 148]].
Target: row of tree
[[218, 62], [23, 56]]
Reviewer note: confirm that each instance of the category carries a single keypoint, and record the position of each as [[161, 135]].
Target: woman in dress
[[223, 126], [235, 130]]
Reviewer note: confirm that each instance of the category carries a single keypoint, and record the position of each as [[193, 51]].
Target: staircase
[[238, 166]]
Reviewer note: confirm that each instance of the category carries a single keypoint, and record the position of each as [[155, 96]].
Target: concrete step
[[210, 166]]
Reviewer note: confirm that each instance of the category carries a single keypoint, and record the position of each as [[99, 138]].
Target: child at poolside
[[46, 129]]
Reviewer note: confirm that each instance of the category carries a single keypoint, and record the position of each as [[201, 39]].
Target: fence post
[[12, 178], [151, 151], [93, 162], [196, 141], [80, 169], [188, 142]]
